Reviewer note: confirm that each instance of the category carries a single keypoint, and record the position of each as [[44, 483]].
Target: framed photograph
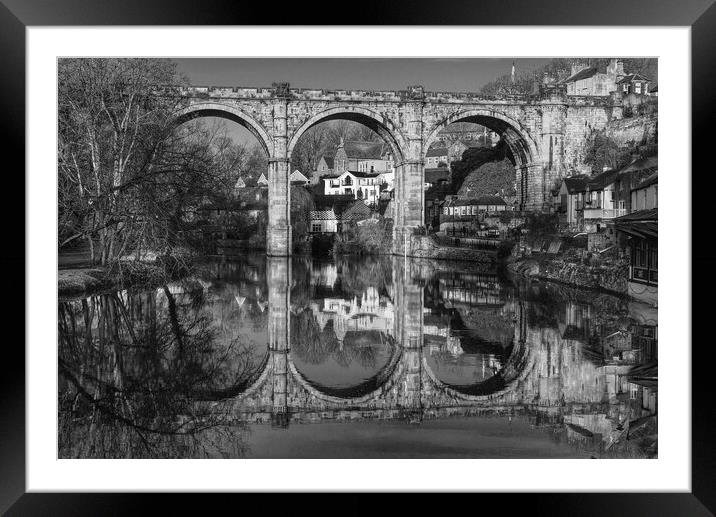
[[420, 256]]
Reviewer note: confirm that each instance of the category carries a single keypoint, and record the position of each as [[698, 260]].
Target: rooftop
[[632, 77], [323, 215], [576, 184], [437, 151], [650, 180], [584, 73], [602, 179]]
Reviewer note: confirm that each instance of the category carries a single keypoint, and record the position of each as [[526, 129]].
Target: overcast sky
[[361, 74], [441, 74]]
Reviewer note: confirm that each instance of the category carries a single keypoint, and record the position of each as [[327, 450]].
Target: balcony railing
[[603, 213]]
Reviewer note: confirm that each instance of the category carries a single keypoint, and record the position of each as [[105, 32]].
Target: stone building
[[323, 221], [588, 80], [634, 83]]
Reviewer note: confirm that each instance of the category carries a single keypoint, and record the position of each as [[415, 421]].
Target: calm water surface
[[356, 357]]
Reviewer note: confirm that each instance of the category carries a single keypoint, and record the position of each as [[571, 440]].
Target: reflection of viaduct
[[544, 132], [406, 387]]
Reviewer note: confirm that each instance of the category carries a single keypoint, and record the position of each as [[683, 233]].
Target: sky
[[435, 74]]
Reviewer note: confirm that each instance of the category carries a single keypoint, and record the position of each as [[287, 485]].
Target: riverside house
[[323, 221], [361, 185], [639, 229]]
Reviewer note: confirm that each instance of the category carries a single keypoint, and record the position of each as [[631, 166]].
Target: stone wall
[[635, 129], [425, 247]]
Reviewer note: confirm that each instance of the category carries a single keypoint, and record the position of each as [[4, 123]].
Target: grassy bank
[[121, 275]]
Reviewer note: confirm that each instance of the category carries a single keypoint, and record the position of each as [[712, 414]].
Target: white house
[[361, 185]]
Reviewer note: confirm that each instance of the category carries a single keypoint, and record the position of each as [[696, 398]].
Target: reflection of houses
[[324, 274], [576, 322], [471, 289], [368, 312]]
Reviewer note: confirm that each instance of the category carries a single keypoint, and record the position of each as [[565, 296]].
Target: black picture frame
[[700, 15]]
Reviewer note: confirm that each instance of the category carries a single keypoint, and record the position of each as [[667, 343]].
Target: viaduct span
[[545, 132]]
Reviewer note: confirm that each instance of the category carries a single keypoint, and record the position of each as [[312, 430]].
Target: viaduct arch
[[544, 131]]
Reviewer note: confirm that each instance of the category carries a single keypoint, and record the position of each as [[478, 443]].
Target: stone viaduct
[[540, 372], [545, 131]]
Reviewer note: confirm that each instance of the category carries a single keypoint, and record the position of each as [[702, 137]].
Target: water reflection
[[180, 371]]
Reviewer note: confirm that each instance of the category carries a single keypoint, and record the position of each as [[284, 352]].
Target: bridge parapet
[[388, 96]]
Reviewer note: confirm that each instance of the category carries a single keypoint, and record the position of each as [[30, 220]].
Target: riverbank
[[78, 281], [608, 276]]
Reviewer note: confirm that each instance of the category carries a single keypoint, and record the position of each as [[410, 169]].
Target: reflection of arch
[[352, 395], [523, 147], [505, 381], [214, 109], [240, 389], [384, 127]]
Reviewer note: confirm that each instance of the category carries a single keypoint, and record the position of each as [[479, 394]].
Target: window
[[316, 227], [637, 87], [645, 262]]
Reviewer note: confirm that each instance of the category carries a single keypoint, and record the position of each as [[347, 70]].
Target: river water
[[357, 358]]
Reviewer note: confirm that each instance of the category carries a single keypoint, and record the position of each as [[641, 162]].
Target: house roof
[[323, 215], [490, 200], [584, 73], [483, 200], [297, 176], [642, 223], [360, 174], [262, 180], [576, 184], [602, 179], [631, 78], [642, 164], [357, 212], [648, 181], [437, 151]]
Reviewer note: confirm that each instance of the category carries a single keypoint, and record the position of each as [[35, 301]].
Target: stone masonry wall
[[635, 129]]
